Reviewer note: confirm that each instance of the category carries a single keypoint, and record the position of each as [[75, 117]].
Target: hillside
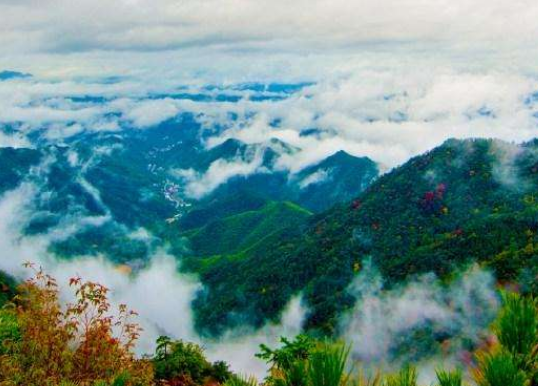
[[15, 165], [334, 180], [463, 202], [239, 232]]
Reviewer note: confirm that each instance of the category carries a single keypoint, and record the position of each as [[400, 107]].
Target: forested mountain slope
[[463, 202]]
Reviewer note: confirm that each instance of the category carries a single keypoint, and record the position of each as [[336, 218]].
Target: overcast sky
[[280, 37]]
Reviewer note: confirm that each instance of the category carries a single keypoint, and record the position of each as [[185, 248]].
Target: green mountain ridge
[[466, 201], [242, 231]]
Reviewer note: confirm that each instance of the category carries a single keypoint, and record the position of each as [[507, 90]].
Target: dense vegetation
[[45, 343], [7, 288], [465, 201], [246, 230]]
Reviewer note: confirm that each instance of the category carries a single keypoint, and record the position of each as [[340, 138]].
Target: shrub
[[241, 380], [373, 380], [517, 330], [184, 363], [295, 375], [180, 359], [75, 343], [327, 365], [220, 372], [291, 351], [9, 329]]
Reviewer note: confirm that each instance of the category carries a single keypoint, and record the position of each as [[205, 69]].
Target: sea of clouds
[[386, 115], [159, 293]]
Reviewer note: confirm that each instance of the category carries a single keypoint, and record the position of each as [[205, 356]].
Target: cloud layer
[[387, 115], [143, 25]]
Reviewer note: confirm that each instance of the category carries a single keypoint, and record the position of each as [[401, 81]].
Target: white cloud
[[388, 114], [148, 113], [240, 346], [219, 172], [382, 318], [143, 25], [314, 178], [16, 141], [393, 115]]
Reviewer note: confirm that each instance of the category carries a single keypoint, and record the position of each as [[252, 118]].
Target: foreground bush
[[47, 344], [499, 369], [305, 362], [407, 376], [450, 378], [184, 363]]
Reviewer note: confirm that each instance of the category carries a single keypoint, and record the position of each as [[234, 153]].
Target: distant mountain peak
[[282, 147], [340, 158], [340, 154]]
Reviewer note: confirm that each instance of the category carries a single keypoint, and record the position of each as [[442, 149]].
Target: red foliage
[[356, 204], [81, 342]]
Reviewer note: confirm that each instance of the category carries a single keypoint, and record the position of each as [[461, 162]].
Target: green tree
[[498, 369], [185, 363], [517, 331]]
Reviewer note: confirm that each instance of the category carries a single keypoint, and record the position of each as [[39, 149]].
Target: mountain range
[[126, 194], [232, 214]]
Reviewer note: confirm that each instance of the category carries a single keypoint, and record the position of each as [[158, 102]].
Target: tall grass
[[517, 328], [241, 380], [327, 365], [362, 379], [407, 376], [296, 374], [449, 378]]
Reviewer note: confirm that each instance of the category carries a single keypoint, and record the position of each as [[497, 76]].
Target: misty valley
[[254, 246]]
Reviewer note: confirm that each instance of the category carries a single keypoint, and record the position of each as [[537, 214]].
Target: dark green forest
[[465, 202]]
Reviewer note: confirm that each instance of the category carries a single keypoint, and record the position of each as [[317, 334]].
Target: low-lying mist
[[422, 321], [159, 292]]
